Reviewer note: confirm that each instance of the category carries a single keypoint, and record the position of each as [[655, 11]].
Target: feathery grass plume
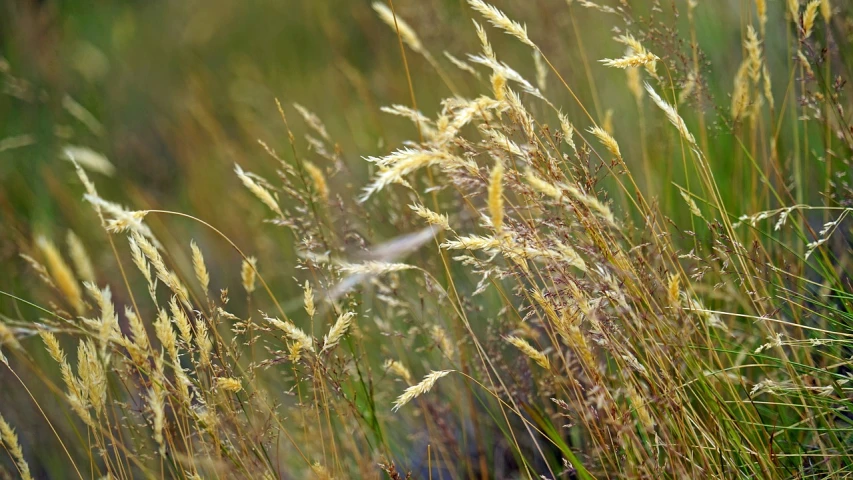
[[507, 72], [431, 217], [166, 334], [165, 275], [694, 209], [424, 124], [121, 219], [61, 273], [293, 332], [794, 10], [528, 350], [761, 11], [199, 267], [338, 330], [248, 273], [631, 60], [142, 265], [753, 50], [157, 404], [79, 258], [595, 6], [262, 193], [76, 391], [416, 391], [607, 140], [203, 342], [318, 180], [92, 375], [556, 192], [673, 289], [569, 255], [88, 159], [809, 16], [181, 321], [107, 327], [232, 385], [398, 369], [672, 115], [638, 48], [484, 41], [7, 339], [741, 94], [541, 70], [374, 268], [40, 269], [139, 347], [768, 90], [308, 299], [500, 20], [395, 166], [568, 132], [472, 242], [397, 24], [825, 10], [461, 65], [10, 441], [542, 186], [498, 86], [313, 121], [496, 200]]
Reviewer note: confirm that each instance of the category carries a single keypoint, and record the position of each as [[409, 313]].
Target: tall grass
[[516, 292]]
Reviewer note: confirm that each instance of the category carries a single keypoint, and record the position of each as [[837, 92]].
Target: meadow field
[[434, 239]]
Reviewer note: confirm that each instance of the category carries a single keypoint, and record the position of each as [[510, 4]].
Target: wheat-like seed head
[[262, 193], [607, 140], [431, 217], [496, 201], [672, 115], [308, 299], [313, 121], [294, 333], [318, 180], [61, 273], [79, 258], [540, 358], [398, 369], [373, 268], [248, 273], [631, 60], [181, 321], [500, 20], [166, 334], [423, 387], [397, 24], [761, 10], [809, 16], [226, 384], [825, 10], [741, 94], [10, 440], [338, 330], [199, 267]]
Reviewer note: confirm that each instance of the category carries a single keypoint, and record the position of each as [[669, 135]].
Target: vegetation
[[648, 277]]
